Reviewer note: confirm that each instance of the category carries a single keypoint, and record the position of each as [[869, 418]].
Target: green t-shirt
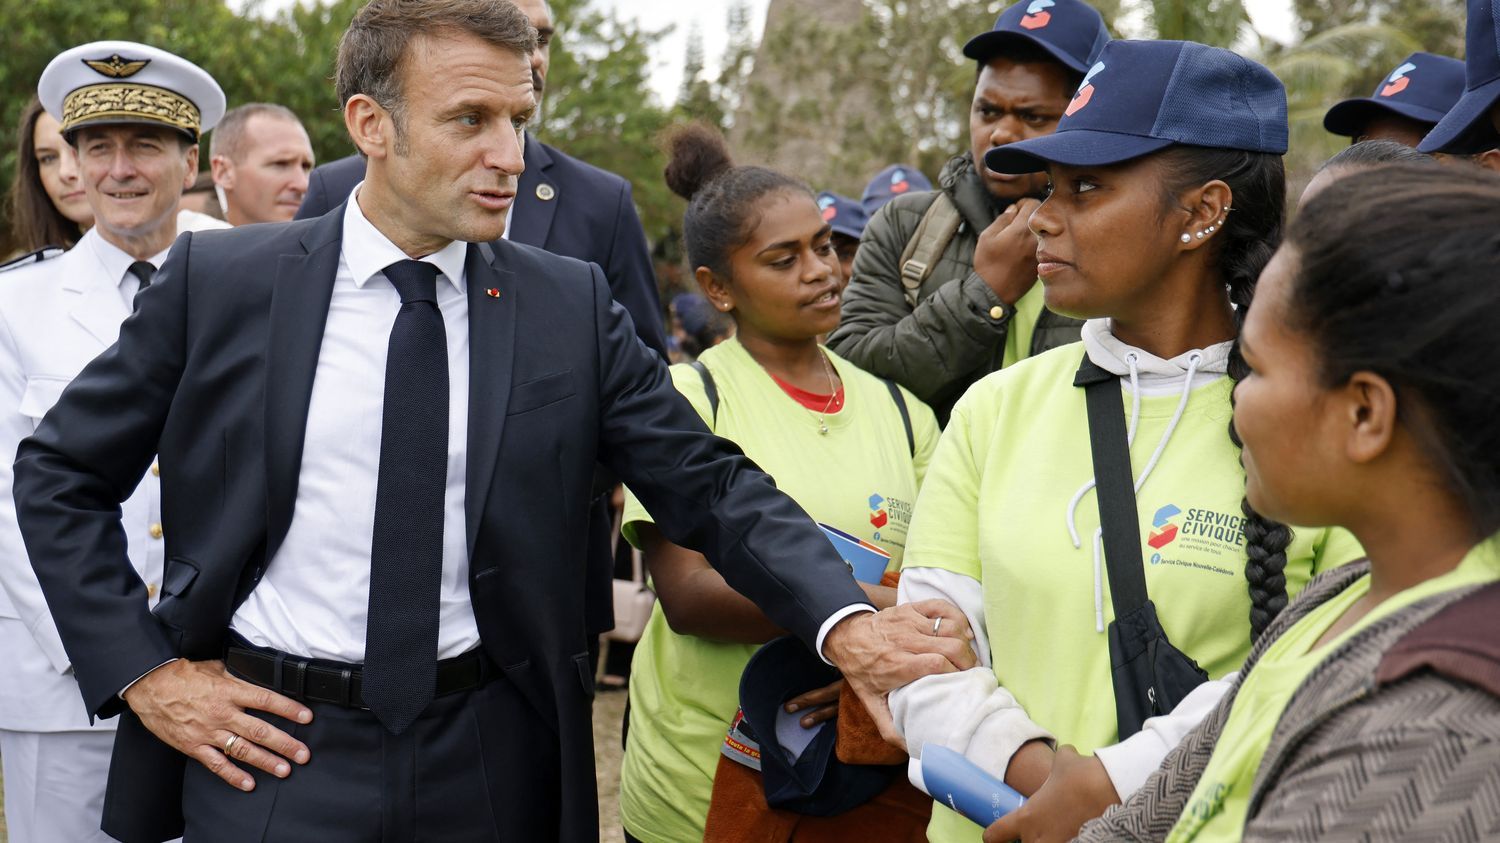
[[861, 478], [1217, 809], [994, 507], [1028, 309]]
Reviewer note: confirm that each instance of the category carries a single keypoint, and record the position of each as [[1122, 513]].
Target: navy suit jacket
[[589, 215], [214, 371]]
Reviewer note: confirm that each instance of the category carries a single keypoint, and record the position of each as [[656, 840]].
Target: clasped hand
[[879, 652], [201, 711]]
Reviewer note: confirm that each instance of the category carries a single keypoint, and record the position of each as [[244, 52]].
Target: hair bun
[[697, 154]]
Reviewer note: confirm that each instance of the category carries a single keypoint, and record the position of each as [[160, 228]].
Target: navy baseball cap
[[1482, 90], [890, 183], [1143, 96], [845, 215], [1071, 31], [1423, 88], [800, 768]]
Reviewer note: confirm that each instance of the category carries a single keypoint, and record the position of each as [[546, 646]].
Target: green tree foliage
[[286, 59], [599, 107], [1437, 25], [1216, 22], [698, 99], [892, 85]]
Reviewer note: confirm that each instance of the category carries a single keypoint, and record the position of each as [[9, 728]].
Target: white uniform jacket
[[55, 317]]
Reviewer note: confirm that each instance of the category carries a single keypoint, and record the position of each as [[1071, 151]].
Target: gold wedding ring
[[229, 744]]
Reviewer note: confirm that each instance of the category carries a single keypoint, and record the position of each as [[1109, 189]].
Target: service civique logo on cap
[[1085, 93], [825, 204], [1398, 81], [899, 184], [1037, 16]]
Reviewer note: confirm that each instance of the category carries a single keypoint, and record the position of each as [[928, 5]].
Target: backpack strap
[[711, 389], [927, 244], [911, 439]]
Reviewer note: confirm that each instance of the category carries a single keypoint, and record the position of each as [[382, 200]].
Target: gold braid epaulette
[[124, 100]]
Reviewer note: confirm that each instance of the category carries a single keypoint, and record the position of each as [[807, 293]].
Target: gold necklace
[[833, 393]]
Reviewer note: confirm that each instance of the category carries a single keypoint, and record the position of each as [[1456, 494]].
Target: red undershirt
[[812, 400]]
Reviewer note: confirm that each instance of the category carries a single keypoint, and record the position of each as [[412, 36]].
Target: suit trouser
[[477, 766], [54, 785]]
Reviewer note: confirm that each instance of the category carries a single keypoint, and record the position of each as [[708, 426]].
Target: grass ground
[[609, 707]]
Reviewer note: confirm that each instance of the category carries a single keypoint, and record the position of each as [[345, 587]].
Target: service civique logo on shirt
[[1203, 539], [890, 517]]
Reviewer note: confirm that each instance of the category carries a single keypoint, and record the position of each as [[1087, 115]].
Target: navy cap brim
[[847, 231], [987, 45], [1075, 148], [1474, 106], [1350, 117]]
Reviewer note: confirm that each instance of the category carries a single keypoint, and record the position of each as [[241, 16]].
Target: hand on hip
[[201, 711]]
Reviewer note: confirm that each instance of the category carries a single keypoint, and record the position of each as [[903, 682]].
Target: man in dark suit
[[569, 208], [377, 441]]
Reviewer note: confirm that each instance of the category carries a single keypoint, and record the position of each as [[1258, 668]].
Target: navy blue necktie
[[144, 271], [406, 556]]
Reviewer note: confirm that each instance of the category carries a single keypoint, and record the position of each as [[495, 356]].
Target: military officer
[[133, 113]]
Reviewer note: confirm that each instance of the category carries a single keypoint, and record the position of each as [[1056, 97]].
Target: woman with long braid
[[1167, 199]]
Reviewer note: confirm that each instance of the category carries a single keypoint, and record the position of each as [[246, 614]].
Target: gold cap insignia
[[116, 67]]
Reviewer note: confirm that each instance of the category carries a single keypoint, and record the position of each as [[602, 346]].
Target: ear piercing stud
[[1188, 238], [1205, 232]]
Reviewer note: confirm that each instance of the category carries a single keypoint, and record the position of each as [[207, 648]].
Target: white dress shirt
[[114, 264], [315, 595]]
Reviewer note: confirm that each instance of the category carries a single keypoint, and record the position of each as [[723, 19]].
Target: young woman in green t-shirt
[[1167, 198], [831, 435]]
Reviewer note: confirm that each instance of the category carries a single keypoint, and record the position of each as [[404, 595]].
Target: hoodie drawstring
[[1194, 360]]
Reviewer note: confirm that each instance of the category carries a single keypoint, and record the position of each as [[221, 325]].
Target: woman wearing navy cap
[[1167, 199]]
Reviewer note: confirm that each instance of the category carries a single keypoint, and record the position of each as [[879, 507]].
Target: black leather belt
[[317, 680]]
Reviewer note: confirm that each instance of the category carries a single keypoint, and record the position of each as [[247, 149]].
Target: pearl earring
[[1187, 238]]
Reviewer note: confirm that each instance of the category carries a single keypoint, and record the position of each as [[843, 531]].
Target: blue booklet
[[867, 560], [962, 785]]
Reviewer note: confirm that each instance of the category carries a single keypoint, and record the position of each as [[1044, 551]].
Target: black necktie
[[145, 271], [406, 556]]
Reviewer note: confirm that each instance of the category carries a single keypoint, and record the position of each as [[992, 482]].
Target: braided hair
[[1249, 237]]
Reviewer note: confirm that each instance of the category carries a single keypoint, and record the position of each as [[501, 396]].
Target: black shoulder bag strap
[[709, 388], [1150, 675], [911, 439]]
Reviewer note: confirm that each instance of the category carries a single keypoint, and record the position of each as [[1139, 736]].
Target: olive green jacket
[[955, 335]]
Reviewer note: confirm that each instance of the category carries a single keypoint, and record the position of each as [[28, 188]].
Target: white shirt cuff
[[851, 609], [121, 695]]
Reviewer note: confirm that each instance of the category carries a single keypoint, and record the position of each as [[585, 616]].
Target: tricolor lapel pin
[[493, 292]]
